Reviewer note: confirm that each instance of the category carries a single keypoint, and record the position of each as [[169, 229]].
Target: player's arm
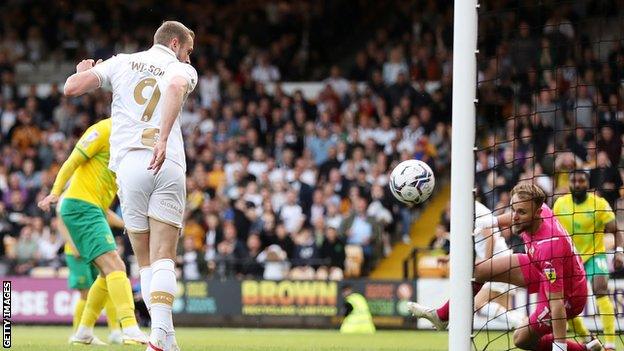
[[504, 220], [84, 80], [75, 159], [558, 314], [114, 220], [488, 234], [173, 100], [618, 235]]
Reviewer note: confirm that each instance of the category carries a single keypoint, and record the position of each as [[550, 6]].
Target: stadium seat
[[62, 272], [43, 272], [432, 267], [354, 260]]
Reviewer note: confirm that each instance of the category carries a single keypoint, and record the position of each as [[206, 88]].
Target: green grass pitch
[[33, 338], [195, 339]]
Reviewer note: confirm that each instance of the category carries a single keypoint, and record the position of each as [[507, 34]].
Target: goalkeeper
[[550, 268], [83, 211], [587, 217]]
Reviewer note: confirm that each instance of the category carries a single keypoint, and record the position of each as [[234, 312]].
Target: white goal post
[[462, 172]]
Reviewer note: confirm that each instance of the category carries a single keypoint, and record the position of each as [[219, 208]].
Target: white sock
[[162, 289], [84, 332], [146, 280]]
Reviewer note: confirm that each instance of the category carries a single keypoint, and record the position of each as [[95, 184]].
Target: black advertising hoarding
[[292, 303], [208, 297]]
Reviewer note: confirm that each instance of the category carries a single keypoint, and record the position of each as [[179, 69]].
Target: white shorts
[[143, 194], [500, 287]]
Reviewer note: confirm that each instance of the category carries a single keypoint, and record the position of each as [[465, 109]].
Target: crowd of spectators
[[285, 185], [551, 89], [278, 185]]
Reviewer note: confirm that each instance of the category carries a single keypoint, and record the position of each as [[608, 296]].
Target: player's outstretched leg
[[438, 317], [429, 313], [505, 269]]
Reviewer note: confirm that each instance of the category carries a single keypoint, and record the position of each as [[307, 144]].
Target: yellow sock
[[111, 315], [95, 302], [121, 295], [80, 306], [605, 308], [577, 327]]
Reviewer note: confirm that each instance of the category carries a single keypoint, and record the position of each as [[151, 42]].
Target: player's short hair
[[528, 191], [172, 29], [575, 172]]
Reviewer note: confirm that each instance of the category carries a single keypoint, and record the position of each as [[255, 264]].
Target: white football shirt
[[139, 82], [485, 219]]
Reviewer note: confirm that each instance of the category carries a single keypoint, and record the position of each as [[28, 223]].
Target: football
[[412, 182]]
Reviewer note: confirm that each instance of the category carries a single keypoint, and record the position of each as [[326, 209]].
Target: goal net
[[549, 111]]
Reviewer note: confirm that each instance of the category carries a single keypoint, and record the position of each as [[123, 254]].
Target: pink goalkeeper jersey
[[551, 252]]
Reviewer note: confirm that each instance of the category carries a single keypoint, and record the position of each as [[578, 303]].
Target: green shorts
[[597, 265], [88, 228], [81, 274]]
